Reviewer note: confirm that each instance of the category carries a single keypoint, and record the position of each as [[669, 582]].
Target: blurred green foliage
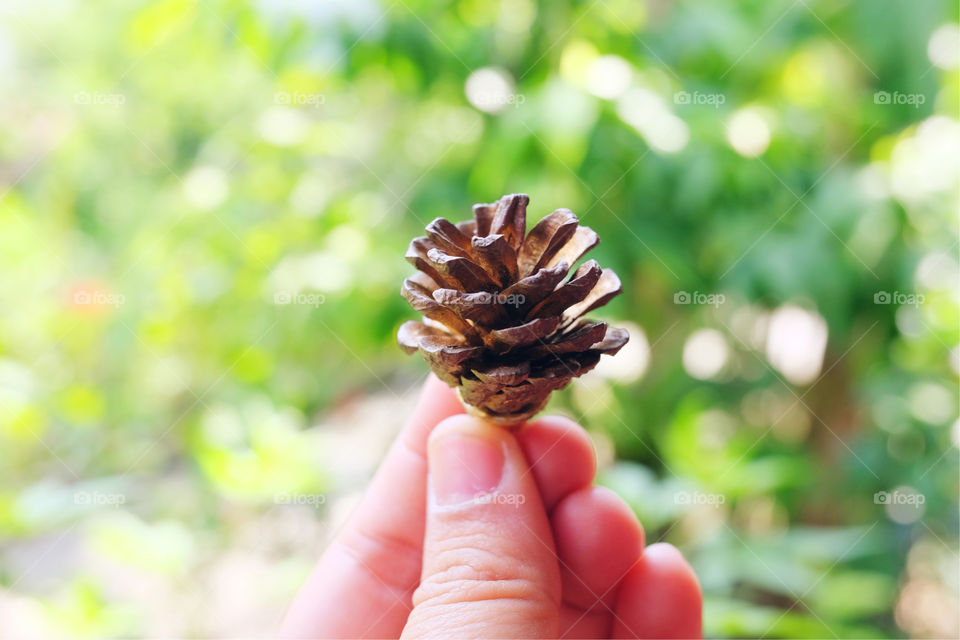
[[203, 211]]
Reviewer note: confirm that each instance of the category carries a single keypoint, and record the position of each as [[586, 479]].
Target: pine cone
[[498, 324]]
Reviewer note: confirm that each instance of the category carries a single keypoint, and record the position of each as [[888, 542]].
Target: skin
[[549, 555]]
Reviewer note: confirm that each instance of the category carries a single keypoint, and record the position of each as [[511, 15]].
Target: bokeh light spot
[[609, 77], [796, 342], [705, 353], [748, 132], [943, 49], [489, 89]]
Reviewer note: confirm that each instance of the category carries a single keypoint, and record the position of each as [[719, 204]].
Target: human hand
[[510, 540]]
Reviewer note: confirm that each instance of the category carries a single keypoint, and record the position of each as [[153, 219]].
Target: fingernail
[[464, 466]]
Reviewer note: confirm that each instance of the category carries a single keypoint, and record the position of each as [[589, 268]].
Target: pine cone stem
[[508, 422]]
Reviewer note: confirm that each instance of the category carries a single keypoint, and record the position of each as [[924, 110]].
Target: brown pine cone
[[498, 324]]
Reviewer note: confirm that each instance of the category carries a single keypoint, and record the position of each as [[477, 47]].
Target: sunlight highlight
[[796, 343]]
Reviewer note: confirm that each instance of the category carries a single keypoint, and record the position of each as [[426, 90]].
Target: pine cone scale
[[582, 240], [510, 218], [524, 335], [569, 293], [607, 287], [582, 339], [479, 308], [545, 239], [447, 237], [529, 291], [464, 274], [497, 258], [482, 217]]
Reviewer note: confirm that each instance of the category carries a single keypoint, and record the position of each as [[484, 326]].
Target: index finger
[[363, 585]]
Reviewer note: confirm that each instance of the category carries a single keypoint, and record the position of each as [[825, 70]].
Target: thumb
[[489, 566]]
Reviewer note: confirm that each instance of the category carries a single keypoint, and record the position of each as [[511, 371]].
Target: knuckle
[[447, 590], [468, 569], [390, 559]]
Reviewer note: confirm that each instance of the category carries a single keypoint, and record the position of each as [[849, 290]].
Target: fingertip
[[596, 556], [438, 394], [463, 423], [667, 553], [665, 559], [560, 454], [620, 514], [560, 431], [556, 421], [608, 513], [436, 402], [660, 597], [478, 458], [612, 522], [434, 385]]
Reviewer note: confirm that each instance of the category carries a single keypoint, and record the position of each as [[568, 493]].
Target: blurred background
[[204, 206]]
